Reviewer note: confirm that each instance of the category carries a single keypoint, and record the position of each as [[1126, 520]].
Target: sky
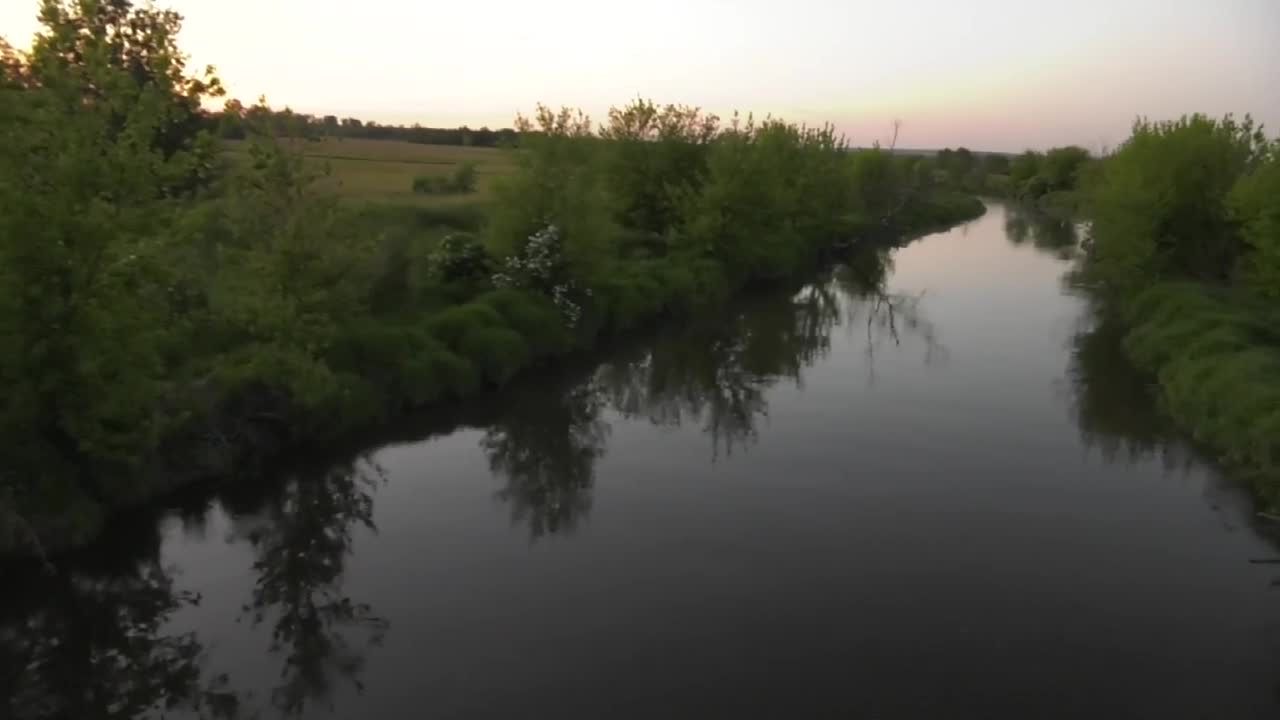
[[979, 73]]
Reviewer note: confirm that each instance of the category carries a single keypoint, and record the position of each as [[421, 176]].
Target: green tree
[[1255, 204], [1160, 203], [656, 156], [1023, 169], [1061, 167], [99, 146], [560, 183]]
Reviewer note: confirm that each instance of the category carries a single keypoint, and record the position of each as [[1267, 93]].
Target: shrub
[[428, 184], [463, 180], [535, 317], [1160, 204], [540, 266], [1255, 205], [1060, 167], [461, 258], [498, 352], [560, 183], [773, 194], [654, 156], [452, 324]]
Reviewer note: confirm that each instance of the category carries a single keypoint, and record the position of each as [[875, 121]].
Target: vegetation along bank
[[1185, 246], [175, 308]]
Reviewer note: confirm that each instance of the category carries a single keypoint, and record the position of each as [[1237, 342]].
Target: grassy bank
[[1186, 248], [1216, 358]]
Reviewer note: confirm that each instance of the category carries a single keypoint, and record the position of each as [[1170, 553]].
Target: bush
[[403, 360], [535, 318], [773, 195], [655, 156], [560, 184], [460, 258], [498, 352], [451, 325], [1160, 204], [463, 180], [1255, 205]]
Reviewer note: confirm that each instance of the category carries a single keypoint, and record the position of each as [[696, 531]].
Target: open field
[[383, 170]]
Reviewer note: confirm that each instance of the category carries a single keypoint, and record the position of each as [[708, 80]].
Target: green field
[[383, 170]]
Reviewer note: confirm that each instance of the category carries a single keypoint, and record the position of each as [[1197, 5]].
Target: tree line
[[236, 121], [1050, 179]]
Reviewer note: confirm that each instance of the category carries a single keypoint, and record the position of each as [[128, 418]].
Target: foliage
[[286, 281], [541, 267], [1029, 177], [1061, 166], [1255, 205], [233, 121], [168, 314], [559, 184], [1160, 203], [462, 181], [460, 257], [1023, 169], [1218, 365], [774, 192], [655, 157], [97, 151], [1184, 237]]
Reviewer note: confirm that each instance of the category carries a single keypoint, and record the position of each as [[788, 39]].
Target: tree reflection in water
[[1114, 403], [713, 371], [546, 446], [1043, 231], [92, 639], [88, 639], [302, 536], [886, 314]]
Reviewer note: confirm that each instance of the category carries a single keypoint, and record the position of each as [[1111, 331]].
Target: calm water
[[949, 498]]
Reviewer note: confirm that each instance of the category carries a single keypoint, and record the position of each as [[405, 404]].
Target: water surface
[[940, 494]]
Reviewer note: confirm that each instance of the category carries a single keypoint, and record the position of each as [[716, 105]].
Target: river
[[936, 492]]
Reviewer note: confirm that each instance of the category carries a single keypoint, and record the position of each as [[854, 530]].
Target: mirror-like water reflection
[[925, 484]]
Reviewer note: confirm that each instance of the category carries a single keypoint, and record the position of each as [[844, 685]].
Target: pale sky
[[981, 73]]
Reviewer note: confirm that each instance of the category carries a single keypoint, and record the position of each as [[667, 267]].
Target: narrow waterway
[[927, 485]]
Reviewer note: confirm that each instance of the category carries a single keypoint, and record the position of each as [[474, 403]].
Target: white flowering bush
[[540, 266]]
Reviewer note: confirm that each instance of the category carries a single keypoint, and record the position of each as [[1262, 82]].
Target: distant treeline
[[1048, 179], [237, 121]]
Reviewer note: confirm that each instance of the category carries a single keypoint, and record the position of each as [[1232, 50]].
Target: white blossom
[[540, 267]]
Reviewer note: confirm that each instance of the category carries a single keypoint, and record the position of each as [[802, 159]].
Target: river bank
[[763, 491], [1185, 248], [402, 364]]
